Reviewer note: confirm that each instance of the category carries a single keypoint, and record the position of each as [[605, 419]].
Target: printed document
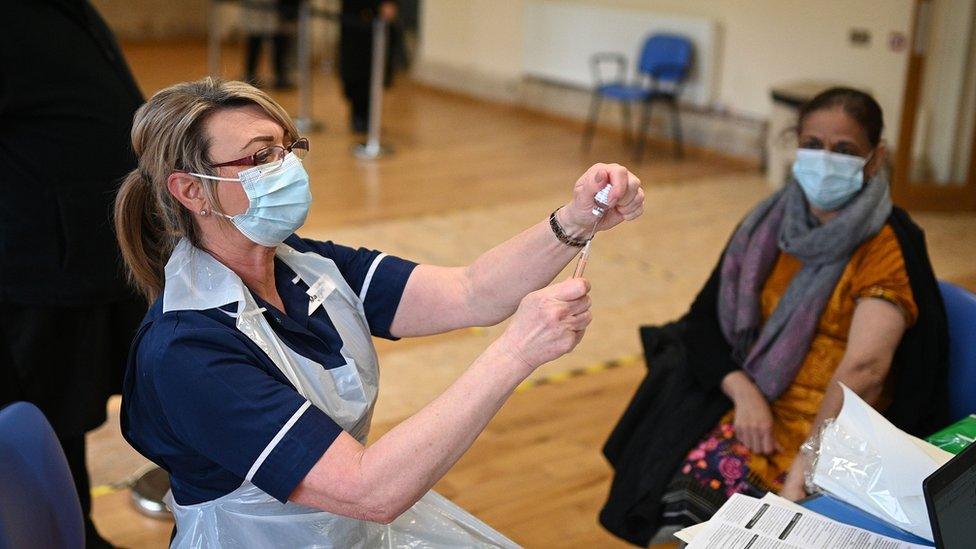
[[773, 523]]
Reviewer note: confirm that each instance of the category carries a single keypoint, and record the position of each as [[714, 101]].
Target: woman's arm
[[753, 415], [380, 482], [439, 299], [876, 330]]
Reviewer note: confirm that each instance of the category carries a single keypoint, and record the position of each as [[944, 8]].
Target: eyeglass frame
[[251, 160]]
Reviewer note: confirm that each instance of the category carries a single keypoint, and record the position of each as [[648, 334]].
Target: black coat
[[66, 106], [680, 398]]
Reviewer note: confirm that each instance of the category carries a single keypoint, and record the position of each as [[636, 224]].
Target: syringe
[[602, 202]]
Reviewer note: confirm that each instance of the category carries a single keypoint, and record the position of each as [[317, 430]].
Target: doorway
[[935, 168]]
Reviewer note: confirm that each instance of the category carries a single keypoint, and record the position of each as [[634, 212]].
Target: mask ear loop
[[214, 177], [868, 158], [212, 208]]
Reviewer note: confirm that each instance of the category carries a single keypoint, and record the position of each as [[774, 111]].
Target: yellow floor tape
[[560, 377], [106, 489]]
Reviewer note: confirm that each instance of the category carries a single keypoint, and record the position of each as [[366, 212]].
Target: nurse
[[253, 376]]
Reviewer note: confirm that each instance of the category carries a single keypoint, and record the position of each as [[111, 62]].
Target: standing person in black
[[66, 104], [276, 19], [356, 53]]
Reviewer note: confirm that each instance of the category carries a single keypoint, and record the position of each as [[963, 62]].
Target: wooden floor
[[464, 175]]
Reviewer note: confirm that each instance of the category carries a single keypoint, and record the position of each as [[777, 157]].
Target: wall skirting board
[[732, 135]]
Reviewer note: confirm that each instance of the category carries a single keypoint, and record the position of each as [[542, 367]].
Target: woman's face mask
[[278, 200], [828, 179]]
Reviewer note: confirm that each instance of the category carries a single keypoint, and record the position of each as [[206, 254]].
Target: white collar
[[196, 281]]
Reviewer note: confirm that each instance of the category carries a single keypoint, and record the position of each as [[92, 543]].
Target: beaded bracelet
[[561, 234]]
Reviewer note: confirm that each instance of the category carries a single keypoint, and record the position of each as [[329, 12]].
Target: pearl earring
[[204, 212]]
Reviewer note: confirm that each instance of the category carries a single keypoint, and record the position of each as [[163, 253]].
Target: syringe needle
[[601, 198], [585, 255]]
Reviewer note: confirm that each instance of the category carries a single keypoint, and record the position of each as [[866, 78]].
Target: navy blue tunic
[[206, 404]]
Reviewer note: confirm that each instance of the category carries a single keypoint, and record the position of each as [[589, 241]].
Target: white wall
[[763, 42], [483, 36]]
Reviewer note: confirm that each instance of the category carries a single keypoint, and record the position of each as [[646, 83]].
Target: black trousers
[[355, 64], [357, 92], [281, 46], [68, 361]]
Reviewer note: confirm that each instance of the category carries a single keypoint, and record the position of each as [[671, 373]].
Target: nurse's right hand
[[548, 323]]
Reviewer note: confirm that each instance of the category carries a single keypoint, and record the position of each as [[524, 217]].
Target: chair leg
[[591, 123], [645, 121], [627, 122], [679, 149]]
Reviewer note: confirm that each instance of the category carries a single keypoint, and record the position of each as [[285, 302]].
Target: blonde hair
[[168, 134]]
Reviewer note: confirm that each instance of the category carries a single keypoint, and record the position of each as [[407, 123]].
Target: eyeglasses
[[270, 155]]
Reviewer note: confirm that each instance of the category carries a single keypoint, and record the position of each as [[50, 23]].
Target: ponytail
[[144, 243]]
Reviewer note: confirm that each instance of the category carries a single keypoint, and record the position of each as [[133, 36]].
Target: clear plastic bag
[[246, 518], [862, 459], [849, 461], [810, 453]]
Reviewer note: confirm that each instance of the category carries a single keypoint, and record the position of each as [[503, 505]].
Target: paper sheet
[[871, 464], [688, 534], [774, 523]]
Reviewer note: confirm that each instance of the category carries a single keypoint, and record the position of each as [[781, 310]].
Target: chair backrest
[[961, 313], [666, 57], [38, 503]]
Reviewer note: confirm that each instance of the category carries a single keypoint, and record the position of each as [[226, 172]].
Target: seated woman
[[824, 282], [253, 376]]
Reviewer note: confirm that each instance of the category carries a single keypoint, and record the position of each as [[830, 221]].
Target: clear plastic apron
[[248, 517]]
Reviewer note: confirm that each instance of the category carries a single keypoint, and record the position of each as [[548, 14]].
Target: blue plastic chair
[[961, 312], [662, 69], [39, 507]]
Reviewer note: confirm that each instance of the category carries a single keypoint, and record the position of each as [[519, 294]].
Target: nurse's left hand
[[626, 199]]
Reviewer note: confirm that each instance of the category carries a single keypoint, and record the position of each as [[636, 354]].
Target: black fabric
[[680, 399], [66, 106], [66, 360], [668, 414], [74, 451], [686, 501], [356, 52], [921, 364]]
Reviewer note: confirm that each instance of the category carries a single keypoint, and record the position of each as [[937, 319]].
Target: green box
[[956, 437]]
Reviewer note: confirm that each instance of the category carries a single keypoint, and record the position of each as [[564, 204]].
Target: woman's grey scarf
[[773, 355]]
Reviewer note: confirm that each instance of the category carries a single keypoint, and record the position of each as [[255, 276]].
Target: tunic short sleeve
[[235, 414], [377, 278], [881, 274]]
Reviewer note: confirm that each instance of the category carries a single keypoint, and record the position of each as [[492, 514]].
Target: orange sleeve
[[881, 274]]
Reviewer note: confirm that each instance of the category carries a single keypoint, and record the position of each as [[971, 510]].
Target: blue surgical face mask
[[828, 179], [278, 200]]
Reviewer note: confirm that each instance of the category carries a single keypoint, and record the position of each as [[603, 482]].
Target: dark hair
[[857, 104]]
